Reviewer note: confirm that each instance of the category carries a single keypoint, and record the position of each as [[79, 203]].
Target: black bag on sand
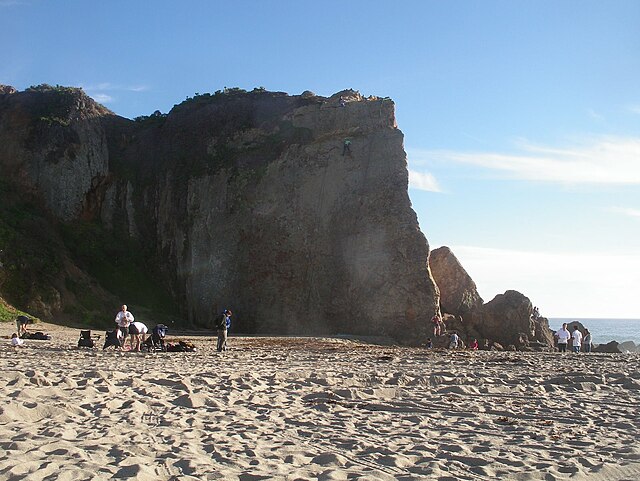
[[182, 346], [37, 336]]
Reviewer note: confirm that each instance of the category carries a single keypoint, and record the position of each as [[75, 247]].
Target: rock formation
[[291, 210], [458, 293], [508, 320], [611, 347], [628, 346]]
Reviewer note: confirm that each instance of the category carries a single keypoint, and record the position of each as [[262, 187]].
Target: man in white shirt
[[123, 319], [577, 339], [563, 336]]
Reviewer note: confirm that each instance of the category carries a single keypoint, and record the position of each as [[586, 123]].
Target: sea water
[[605, 330]]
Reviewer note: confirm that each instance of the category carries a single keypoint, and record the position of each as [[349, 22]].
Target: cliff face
[[246, 200], [53, 143]]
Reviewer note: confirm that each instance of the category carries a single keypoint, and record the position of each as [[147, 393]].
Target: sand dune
[[326, 409]]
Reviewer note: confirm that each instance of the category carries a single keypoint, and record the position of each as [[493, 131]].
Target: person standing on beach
[[577, 339], [563, 336], [222, 324], [123, 319], [435, 320], [586, 341], [454, 341]]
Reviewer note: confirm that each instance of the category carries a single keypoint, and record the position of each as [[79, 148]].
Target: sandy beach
[[311, 408]]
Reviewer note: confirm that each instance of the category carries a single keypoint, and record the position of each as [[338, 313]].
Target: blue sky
[[521, 119]]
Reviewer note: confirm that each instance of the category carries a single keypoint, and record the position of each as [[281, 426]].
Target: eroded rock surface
[[458, 293], [249, 201], [508, 320]]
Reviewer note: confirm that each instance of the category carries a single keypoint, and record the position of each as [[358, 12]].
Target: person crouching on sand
[[138, 331]]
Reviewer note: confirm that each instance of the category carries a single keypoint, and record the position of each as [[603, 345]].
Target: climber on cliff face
[[346, 148]]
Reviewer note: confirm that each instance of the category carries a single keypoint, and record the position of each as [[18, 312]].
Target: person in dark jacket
[[222, 324]]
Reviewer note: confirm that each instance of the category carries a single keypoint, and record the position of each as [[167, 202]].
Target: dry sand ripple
[[326, 409]]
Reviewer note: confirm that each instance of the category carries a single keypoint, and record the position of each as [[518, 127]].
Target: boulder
[[629, 346], [573, 324], [505, 319], [610, 347], [542, 332], [458, 293]]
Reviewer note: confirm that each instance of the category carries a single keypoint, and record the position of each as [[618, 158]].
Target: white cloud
[[628, 211], [589, 285], [606, 160], [594, 115], [635, 108], [102, 98], [423, 181], [102, 86]]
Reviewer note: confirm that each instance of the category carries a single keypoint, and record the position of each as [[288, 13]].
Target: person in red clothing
[[473, 345], [435, 320]]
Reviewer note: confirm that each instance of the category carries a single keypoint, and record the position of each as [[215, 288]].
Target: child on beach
[[16, 341]]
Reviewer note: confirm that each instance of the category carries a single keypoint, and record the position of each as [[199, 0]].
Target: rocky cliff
[[246, 200]]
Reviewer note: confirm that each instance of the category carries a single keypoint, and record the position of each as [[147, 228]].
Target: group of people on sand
[[440, 329], [21, 325], [579, 342], [128, 326]]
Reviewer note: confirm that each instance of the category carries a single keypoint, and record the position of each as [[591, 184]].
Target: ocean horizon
[[604, 330]]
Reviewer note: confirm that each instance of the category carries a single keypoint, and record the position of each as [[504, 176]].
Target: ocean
[[605, 330]]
